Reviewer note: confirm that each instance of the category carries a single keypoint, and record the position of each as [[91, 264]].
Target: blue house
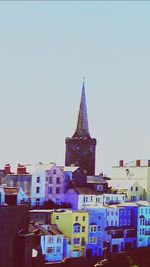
[[128, 222], [97, 224]]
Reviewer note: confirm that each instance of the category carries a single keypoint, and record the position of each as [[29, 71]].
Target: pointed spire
[[82, 129]]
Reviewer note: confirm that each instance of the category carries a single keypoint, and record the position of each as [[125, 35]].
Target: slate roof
[[97, 179]]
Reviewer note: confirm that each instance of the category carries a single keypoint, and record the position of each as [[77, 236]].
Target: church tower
[[80, 148]]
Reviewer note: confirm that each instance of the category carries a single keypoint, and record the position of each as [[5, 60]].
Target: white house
[[132, 189], [82, 197], [136, 171], [110, 198], [38, 183]]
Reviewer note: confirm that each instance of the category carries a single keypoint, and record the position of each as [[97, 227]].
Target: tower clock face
[[75, 147]]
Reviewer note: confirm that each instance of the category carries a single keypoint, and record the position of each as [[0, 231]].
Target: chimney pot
[[121, 163], [138, 163]]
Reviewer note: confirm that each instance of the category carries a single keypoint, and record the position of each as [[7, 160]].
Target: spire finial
[[83, 83]]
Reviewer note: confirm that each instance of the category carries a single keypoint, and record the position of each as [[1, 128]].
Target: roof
[[122, 185], [135, 204], [82, 129], [85, 191], [42, 229], [31, 168], [69, 168], [97, 179]]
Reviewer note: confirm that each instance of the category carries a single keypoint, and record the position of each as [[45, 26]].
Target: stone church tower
[[80, 148]]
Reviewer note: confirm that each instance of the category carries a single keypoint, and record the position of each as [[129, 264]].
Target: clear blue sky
[[45, 50]]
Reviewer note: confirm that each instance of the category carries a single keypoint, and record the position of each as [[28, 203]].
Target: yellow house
[[136, 172], [74, 226]]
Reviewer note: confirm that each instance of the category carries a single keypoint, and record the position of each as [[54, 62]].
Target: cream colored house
[[136, 178], [132, 189]]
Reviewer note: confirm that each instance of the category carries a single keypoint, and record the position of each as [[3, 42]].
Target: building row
[[94, 231]]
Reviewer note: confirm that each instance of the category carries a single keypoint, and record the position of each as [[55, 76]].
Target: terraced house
[[74, 226]]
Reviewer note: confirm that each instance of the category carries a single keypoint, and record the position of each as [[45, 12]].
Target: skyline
[[46, 49]]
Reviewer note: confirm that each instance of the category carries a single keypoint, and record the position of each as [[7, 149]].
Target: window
[[83, 241], [47, 179], [93, 240], [91, 198], [131, 188], [49, 190], [146, 211], [99, 228], [76, 241], [112, 213], [115, 223], [50, 250], [92, 219], [107, 223], [84, 218], [37, 201], [129, 212], [54, 171], [58, 180], [50, 180], [76, 228], [57, 217], [58, 239], [83, 229], [57, 190], [108, 213], [76, 218], [98, 240], [136, 188], [141, 211], [99, 217], [93, 228], [58, 249], [116, 213], [37, 190], [50, 239], [111, 223], [38, 179]]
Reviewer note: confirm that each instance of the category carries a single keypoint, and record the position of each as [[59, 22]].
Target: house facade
[[135, 171], [96, 233], [82, 197], [76, 230], [143, 228], [51, 243]]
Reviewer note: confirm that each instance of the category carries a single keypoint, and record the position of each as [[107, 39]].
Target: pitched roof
[[97, 179], [82, 129], [85, 191]]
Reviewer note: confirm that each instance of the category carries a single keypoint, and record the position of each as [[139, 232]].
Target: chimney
[[138, 163], [21, 169], [7, 169], [121, 163]]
